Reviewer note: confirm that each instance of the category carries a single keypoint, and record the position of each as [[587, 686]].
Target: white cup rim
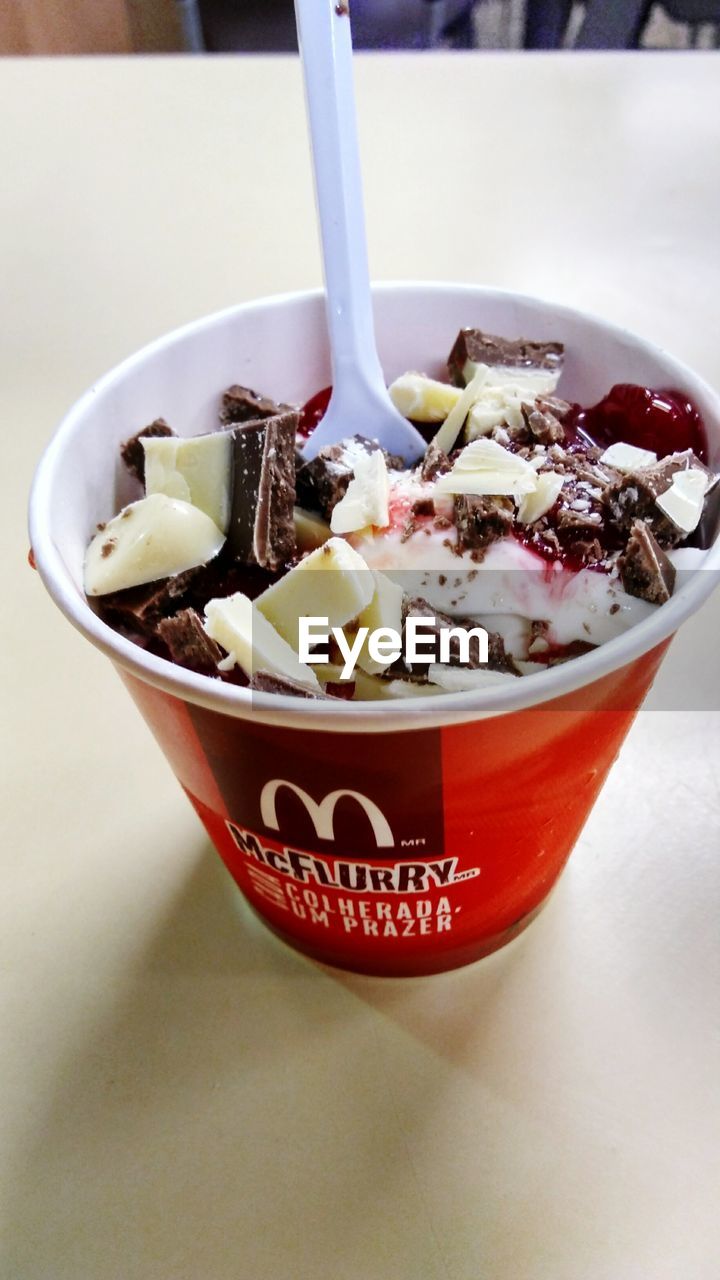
[[338, 715]]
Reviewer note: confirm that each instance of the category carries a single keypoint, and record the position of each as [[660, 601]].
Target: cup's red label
[[386, 900], [397, 852]]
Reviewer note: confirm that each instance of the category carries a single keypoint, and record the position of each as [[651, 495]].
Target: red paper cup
[[396, 837]]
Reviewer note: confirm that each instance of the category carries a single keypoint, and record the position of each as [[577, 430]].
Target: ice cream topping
[[532, 531]]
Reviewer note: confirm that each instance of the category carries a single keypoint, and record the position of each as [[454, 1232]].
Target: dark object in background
[[268, 26], [546, 23], [608, 24]]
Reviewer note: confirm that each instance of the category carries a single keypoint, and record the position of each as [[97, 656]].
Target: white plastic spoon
[[359, 403]]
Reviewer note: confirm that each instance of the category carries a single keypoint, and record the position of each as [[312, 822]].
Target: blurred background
[[262, 26]]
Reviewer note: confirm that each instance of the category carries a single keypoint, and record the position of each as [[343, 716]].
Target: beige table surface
[[182, 1097]]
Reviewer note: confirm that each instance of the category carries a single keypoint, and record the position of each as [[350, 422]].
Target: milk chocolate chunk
[[241, 404], [542, 425], [645, 570], [581, 503], [518, 436], [633, 496], [322, 483], [555, 405], [435, 462], [188, 642], [268, 682], [481, 520], [498, 658], [132, 452], [262, 528], [588, 549], [709, 526], [487, 348], [577, 513], [140, 609]]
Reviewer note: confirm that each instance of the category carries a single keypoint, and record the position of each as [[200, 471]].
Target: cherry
[[664, 421], [313, 411]]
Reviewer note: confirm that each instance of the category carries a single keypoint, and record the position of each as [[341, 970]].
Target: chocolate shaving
[[481, 521], [513, 438], [435, 463], [645, 570], [589, 550], [553, 405], [132, 452], [188, 642], [581, 504], [543, 426]]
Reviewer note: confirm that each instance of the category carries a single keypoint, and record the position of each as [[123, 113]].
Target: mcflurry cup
[[392, 838]]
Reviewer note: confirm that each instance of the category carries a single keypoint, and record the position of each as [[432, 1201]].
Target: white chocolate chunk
[[450, 430], [311, 530], [485, 467], [365, 501], [153, 538], [423, 399], [497, 407], [531, 381], [683, 502], [493, 397], [410, 689], [252, 642], [462, 679], [627, 457], [196, 470], [384, 611], [534, 505], [333, 582]]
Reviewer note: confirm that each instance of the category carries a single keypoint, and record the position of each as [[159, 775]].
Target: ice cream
[[549, 527]]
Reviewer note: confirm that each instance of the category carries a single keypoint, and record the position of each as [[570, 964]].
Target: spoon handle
[[326, 51]]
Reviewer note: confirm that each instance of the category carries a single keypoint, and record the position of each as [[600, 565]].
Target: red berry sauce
[[569, 554], [664, 421], [313, 411]]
